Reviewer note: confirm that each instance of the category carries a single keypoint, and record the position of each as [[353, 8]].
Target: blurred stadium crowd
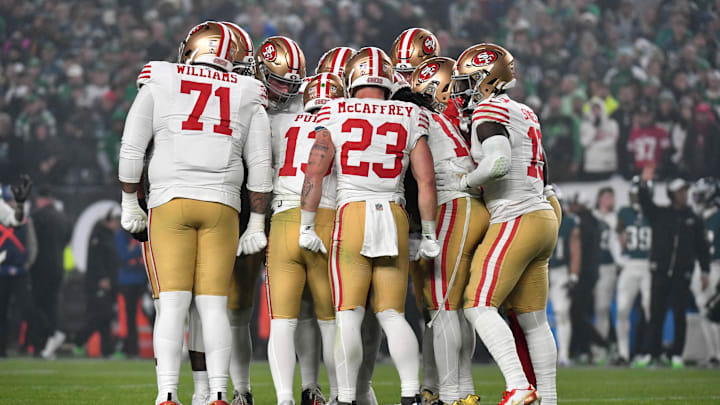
[[618, 84]]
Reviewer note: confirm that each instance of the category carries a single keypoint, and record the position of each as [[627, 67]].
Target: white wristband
[[307, 219], [256, 222], [428, 228], [129, 197]]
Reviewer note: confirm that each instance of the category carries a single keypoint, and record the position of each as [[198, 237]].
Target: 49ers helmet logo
[[269, 52], [484, 58], [429, 46], [428, 71]]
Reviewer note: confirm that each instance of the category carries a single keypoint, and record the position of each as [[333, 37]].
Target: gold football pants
[[290, 267], [192, 245], [511, 265], [461, 225], [352, 274]]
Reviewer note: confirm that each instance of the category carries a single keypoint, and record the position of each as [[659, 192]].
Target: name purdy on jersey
[[520, 191], [201, 121], [373, 139], [293, 135]]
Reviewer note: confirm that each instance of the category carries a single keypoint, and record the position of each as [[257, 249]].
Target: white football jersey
[[451, 153], [293, 135], [521, 190], [373, 139], [201, 121]]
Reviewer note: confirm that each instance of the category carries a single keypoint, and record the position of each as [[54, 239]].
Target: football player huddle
[[229, 130]]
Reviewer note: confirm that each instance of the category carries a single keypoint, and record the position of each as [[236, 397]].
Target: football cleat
[[471, 399], [242, 399], [168, 401], [313, 396], [416, 400], [520, 397], [219, 402], [427, 397]]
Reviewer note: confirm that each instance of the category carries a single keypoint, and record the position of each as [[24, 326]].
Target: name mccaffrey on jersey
[[207, 73], [345, 106]]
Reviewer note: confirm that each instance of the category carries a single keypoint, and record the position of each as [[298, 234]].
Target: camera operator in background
[[678, 240]]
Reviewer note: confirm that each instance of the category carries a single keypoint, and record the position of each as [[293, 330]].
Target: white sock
[[281, 356], [327, 331], [241, 354], [467, 350], [543, 353], [217, 340], [156, 304], [622, 327], [564, 331], [715, 338], [348, 352], [446, 343], [169, 338], [404, 350], [498, 339], [371, 340], [429, 366], [308, 345], [195, 344]]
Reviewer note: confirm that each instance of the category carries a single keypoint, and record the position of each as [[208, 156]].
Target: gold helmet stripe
[[404, 52]]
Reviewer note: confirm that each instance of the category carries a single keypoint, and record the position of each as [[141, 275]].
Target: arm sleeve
[[496, 161], [257, 153], [136, 137]]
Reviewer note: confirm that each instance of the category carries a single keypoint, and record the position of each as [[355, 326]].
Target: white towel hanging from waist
[[381, 237]]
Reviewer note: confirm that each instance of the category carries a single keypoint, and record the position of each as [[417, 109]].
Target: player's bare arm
[[421, 164], [319, 161], [259, 202]]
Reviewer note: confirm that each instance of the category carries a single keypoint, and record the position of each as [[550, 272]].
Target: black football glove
[[21, 190]]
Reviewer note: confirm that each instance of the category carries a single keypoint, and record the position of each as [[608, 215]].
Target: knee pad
[[472, 314], [532, 320]]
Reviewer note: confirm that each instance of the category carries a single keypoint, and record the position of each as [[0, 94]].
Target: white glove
[[413, 246], [309, 239], [451, 181], [549, 191], [132, 219], [429, 246], [253, 239]]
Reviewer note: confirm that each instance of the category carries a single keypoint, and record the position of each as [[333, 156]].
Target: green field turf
[[128, 382]]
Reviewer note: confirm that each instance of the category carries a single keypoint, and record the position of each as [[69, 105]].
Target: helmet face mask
[[243, 57], [482, 71], [433, 79], [281, 67]]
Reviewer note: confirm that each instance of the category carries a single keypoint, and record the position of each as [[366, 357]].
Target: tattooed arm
[[321, 156]]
